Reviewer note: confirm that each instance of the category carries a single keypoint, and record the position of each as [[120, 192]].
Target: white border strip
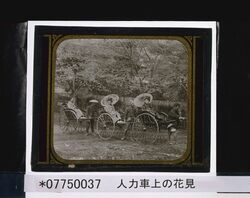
[[145, 24], [149, 24], [213, 101], [29, 95]]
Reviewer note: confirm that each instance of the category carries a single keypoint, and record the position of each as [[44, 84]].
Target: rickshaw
[[69, 121], [145, 127]]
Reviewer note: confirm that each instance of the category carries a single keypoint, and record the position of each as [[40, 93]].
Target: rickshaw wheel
[[67, 121], [105, 126], [145, 128]]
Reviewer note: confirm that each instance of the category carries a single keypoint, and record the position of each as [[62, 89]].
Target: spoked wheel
[[68, 122], [105, 126], [145, 128], [69, 126]]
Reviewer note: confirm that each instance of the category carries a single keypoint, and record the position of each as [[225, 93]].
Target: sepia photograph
[[123, 99]]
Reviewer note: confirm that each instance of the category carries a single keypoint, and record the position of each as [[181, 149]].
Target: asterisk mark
[[42, 183]]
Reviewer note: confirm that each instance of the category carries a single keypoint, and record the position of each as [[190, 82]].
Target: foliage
[[126, 67]]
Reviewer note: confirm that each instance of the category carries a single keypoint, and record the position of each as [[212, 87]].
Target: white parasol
[[112, 97], [139, 101]]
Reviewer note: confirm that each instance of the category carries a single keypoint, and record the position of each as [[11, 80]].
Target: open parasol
[[112, 97], [139, 100]]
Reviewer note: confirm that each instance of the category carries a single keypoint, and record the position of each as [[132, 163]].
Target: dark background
[[233, 89], [233, 75]]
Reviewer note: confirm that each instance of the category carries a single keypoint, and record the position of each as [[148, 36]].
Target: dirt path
[[79, 146]]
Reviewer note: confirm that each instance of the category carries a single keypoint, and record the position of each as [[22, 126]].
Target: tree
[[67, 73], [126, 67]]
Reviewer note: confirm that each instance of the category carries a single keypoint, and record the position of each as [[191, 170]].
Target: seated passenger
[[147, 105], [71, 105], [109, 108], [175, 114]]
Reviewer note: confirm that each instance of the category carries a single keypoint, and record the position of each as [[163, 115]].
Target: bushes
[[121, 105]]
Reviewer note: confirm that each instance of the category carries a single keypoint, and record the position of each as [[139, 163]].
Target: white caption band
[[158, 183]]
